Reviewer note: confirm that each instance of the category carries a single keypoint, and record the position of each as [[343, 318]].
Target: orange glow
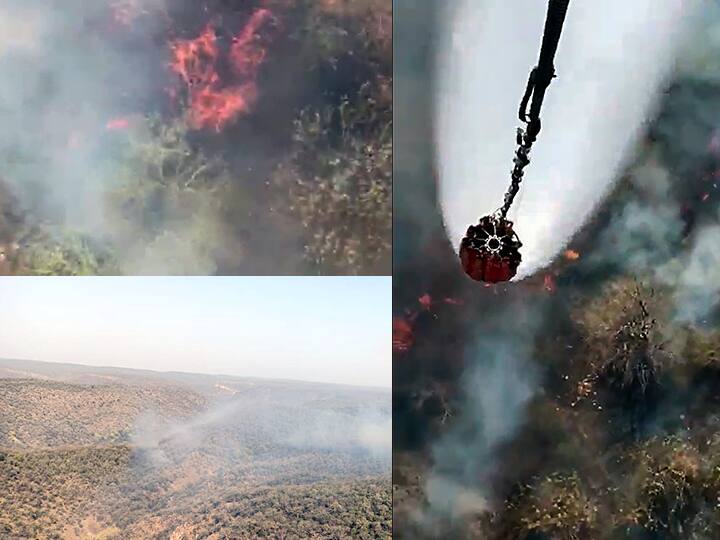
[[572, 255], [402, 337]]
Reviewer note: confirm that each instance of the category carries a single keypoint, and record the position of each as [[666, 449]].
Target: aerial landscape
[[116, 453], [195, 407]]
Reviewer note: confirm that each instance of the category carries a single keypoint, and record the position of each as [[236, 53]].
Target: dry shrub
[[624, 350], [339, 184], [375, 17], [668, 479], [555, 507]]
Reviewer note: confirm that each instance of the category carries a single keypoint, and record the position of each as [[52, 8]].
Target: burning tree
[[211, 99]]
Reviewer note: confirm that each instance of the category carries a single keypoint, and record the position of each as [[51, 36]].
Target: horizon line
[[367, 387]]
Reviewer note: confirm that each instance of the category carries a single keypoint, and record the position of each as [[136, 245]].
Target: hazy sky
[[327, 329]]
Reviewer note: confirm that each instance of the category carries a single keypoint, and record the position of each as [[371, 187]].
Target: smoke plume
[[281, 423], [500, 379]]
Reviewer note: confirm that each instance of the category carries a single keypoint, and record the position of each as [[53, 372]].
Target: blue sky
[[327, 329]]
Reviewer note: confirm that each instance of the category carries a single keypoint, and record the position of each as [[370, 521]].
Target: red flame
[[211, 102], [194, 60], [572, 255], [117, 123], [247, 53], [426, 301], [402, 337], [549, 283], [403, 332]]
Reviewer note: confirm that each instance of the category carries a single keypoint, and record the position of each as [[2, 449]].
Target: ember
[[572, 255], [425, 301], [402, 338]]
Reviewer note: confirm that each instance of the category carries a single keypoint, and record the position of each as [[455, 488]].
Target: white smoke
[[329, 430], [21, 29], [612, 63], [696, 277], [283, 425], [63, 77], [500, 380]]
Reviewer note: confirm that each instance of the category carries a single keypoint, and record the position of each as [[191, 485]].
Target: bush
[[339, 184]]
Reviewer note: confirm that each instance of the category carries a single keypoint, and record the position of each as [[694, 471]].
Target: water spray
[[490, 250]]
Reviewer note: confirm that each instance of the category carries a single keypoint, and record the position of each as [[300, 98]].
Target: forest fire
[[212, 102], [403, 329], [247, 52]]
